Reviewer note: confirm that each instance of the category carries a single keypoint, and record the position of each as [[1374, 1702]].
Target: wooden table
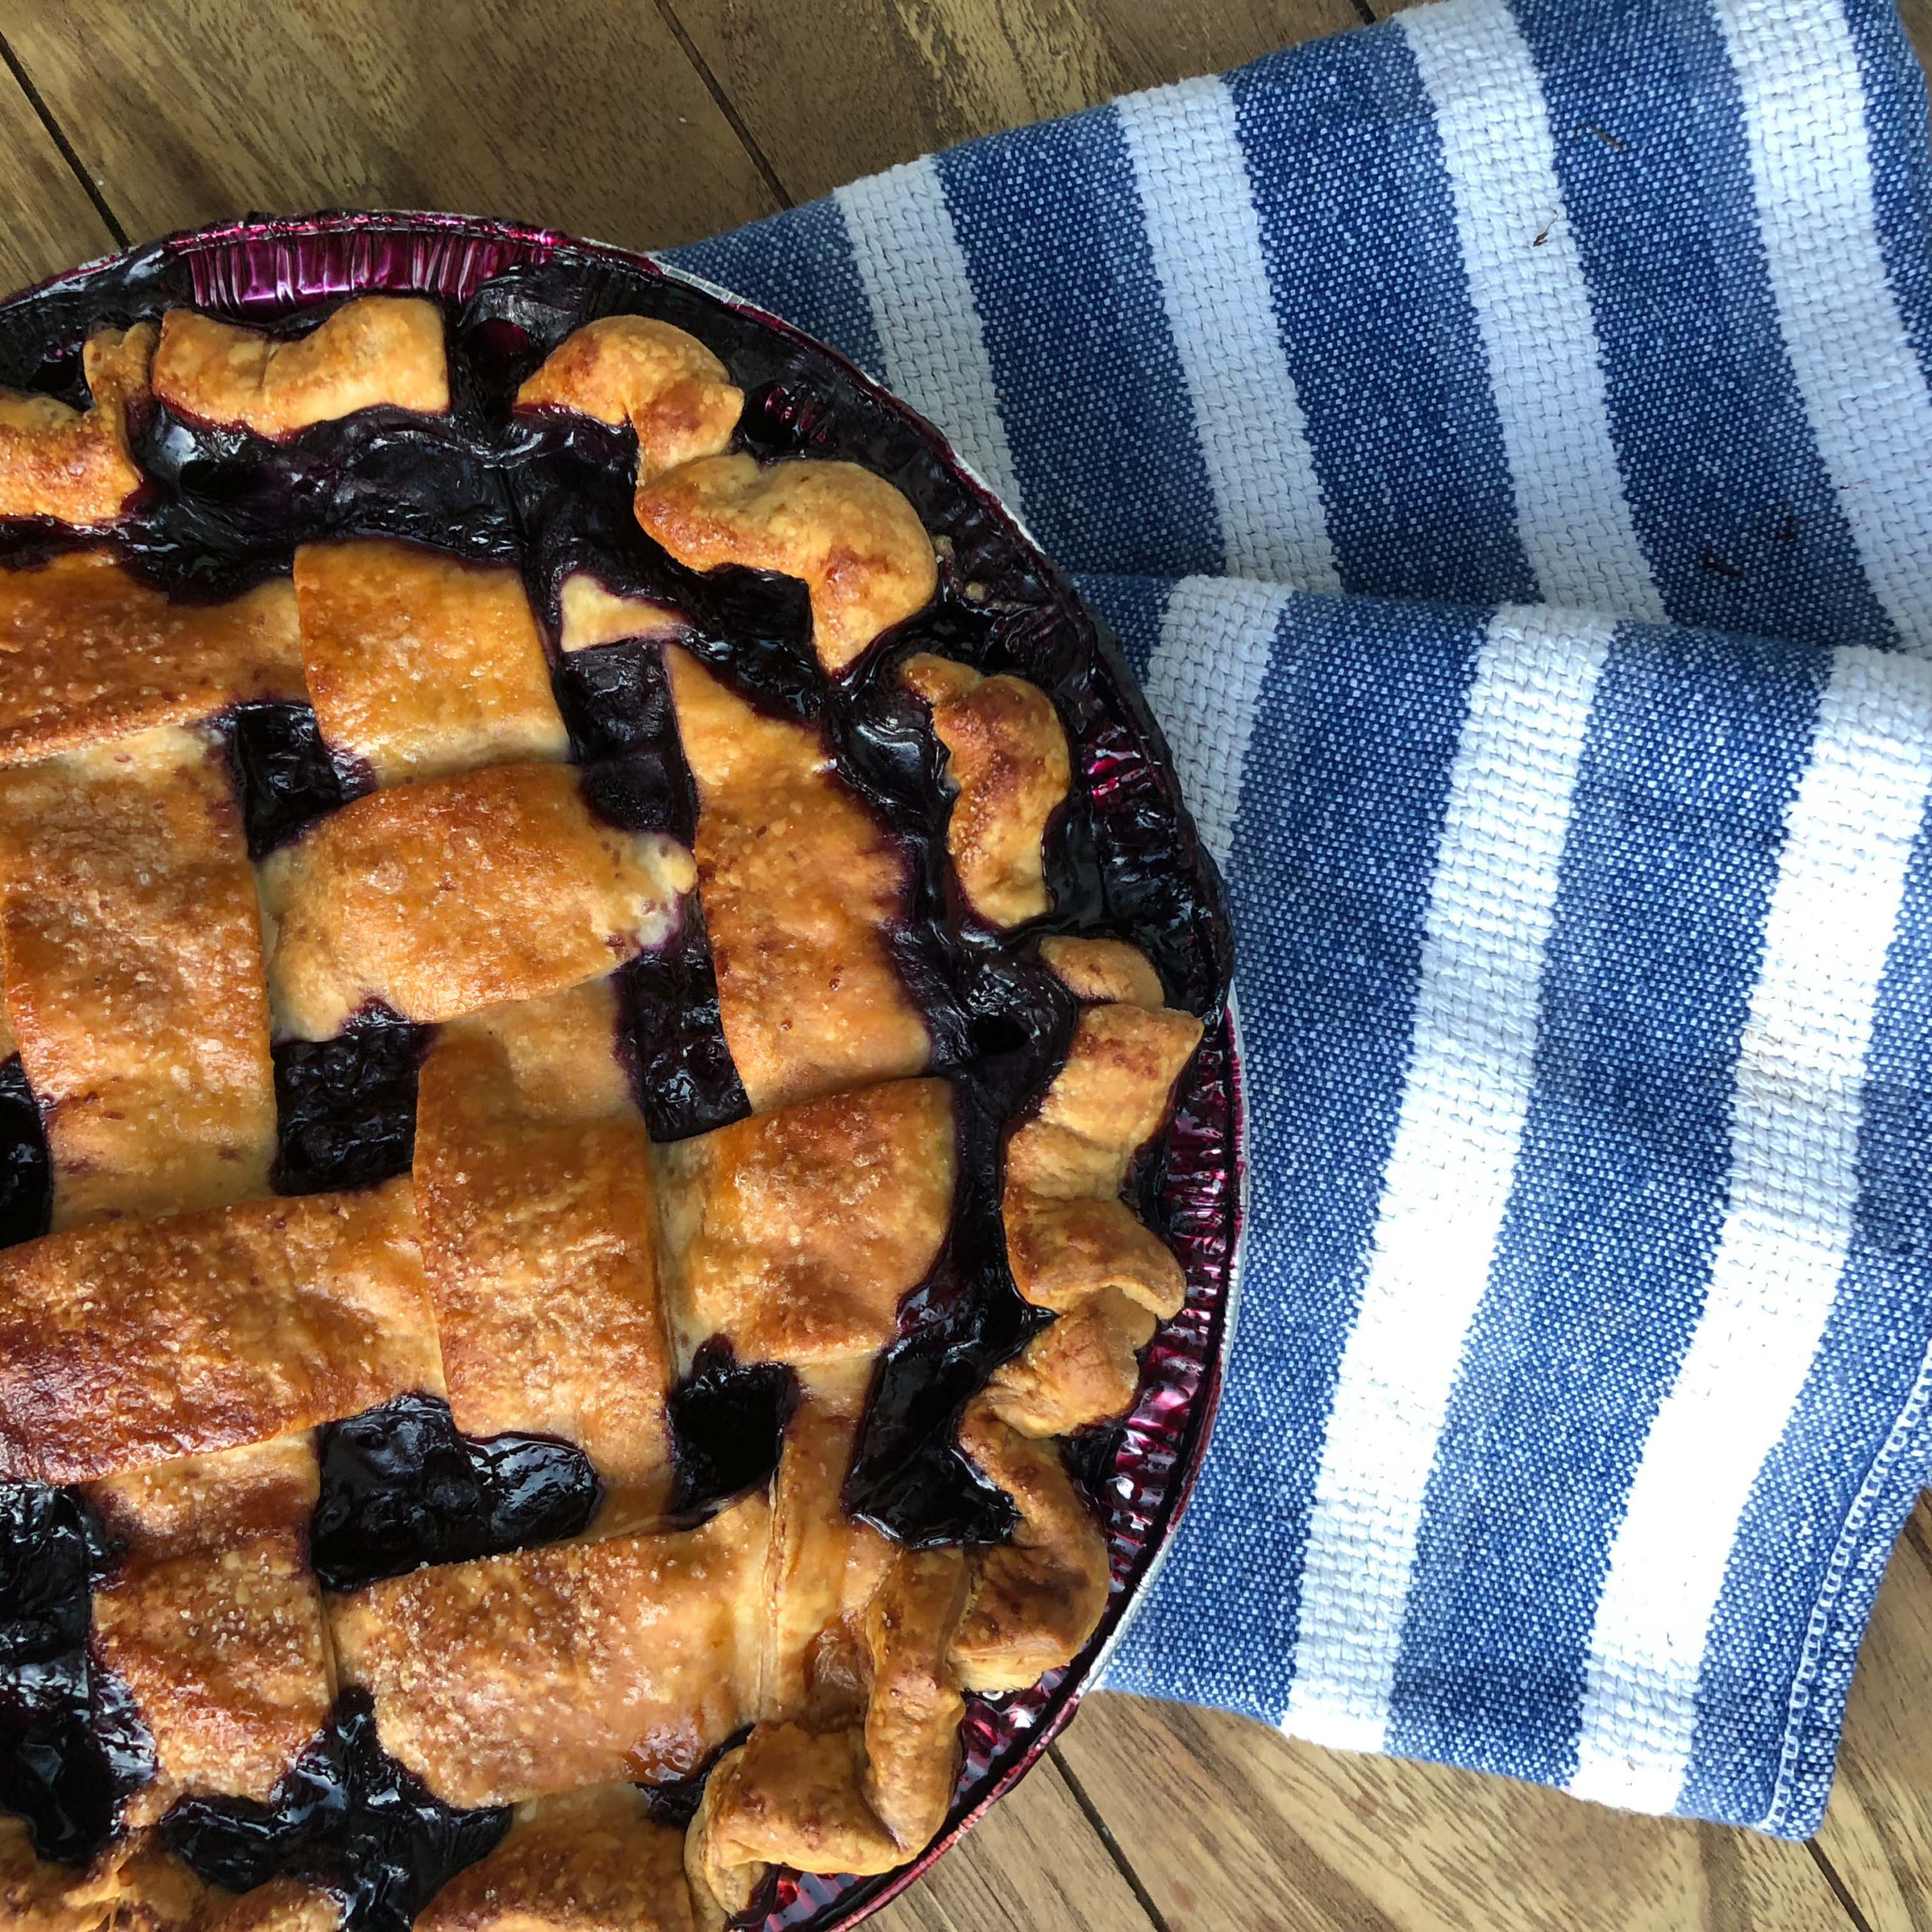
[[648, 122]]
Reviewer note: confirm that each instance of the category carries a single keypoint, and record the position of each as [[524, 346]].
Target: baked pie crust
[[314, 844]]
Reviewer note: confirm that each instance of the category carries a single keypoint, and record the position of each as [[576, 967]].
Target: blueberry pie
[[584, 1089]]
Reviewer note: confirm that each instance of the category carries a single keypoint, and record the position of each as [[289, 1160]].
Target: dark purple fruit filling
[[402, 1487], [553, 493], [346, 1108], [727, 1426], [347, 1817], [27, 1181]]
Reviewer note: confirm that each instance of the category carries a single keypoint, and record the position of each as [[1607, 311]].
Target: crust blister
[[1007, 759], [855, 542], [439, 898], [124, 1344], [422, 664], [800, 887], [134, 986], [662, 381], [71, 465], [375, 349], [538, 1220], [89, 653]]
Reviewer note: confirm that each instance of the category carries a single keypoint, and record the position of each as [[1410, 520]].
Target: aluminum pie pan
[[264, 268]]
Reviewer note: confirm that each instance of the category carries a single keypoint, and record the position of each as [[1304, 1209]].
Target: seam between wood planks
[[728, 108], [1090, 1812], [58, 135]]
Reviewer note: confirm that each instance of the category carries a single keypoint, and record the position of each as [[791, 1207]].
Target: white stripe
[[1864, 392], [1526, 280], [1206, 240], [1795, 1107], [1203, 682], [1449, 1173], [914, 273]]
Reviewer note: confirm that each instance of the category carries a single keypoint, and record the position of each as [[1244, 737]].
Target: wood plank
[[1226, 1823], [51, 224], [841, 88], [1034, 1862], [575, 112], [1878, 1831]]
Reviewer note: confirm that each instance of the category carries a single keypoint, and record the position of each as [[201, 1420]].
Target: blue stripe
[[1895, 120], [1358, 231], [1695, 749], [1760, 1679], [799, 265], [1095, 406], [1353, 740], [1731, 501], [1132, 607]]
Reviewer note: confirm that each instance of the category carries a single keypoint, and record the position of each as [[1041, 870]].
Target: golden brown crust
[[376, 349], [857, 543], [36, 1895], [1007, 757], [1103, 971], [1068, 1233], [589, 615], [283, 1905], [421, 664], [823, 1566], [592, 1860], [787, 1797], [795, 1234], [75, 465], [635, 369], [538, 1240], [125, 1344], [800, 886], [912, 1719], [461, 893], [88, 653], [223, 1653], [1082, 1369], [211, 1502], [630, 1656], [132, 959], [1033, 1603]]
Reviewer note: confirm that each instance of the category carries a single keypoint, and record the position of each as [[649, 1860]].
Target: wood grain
[[49, 223], [830, 90], [583, 114], [1228, 1824], [1032, 1863], [1878, 1833]]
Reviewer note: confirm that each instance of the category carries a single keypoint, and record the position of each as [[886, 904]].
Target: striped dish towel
[[1503, 439]]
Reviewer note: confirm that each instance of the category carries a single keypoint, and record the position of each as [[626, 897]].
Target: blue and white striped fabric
[[1503, 439]]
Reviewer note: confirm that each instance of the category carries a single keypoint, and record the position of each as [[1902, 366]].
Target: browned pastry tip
[[374, 349], [912, 1714], [1101, 972], [1082, 1369], [72, 466], [1007, 759], [853, 539], [790, 1796], [1033, 1603], [660, 379]]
